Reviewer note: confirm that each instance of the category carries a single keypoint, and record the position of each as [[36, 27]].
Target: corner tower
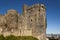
[[37, 20]]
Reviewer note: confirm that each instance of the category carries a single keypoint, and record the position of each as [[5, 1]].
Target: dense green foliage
[[11, 37], [1, 37]]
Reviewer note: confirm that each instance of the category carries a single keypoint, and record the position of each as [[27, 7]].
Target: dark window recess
[[31, 19], [6, 25], [42, 6], [39, 9]]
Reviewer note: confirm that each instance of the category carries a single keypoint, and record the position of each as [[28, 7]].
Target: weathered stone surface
[[31, 23]]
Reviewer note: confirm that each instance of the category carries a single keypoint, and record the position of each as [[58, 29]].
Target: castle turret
[[25, 9], [12, 19], [36, 20]]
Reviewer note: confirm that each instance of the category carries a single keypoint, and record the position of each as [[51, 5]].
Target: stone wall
[[32, 22]]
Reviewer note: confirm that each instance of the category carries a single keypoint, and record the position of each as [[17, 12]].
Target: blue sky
[[52, 11]]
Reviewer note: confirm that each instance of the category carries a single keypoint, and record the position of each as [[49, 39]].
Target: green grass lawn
[[11, 37]]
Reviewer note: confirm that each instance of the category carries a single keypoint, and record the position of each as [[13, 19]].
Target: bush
[[11, 37], [1, 37]]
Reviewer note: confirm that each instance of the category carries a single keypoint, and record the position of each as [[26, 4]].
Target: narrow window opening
[[39, 9], [31, 19], [42, 6]]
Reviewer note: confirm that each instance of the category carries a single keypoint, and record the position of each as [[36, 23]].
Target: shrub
[[11, 37], [1, 37]]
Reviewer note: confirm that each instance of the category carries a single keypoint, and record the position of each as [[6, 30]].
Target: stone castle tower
[[32, 22]]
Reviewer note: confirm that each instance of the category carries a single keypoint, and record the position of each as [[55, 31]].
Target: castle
[[32, 22]]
